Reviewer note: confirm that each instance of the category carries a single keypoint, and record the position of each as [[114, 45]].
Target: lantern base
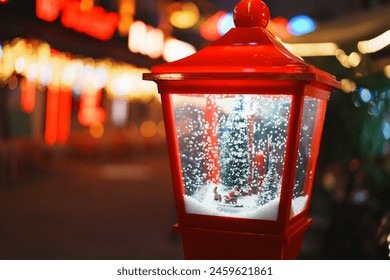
[[209, 244]]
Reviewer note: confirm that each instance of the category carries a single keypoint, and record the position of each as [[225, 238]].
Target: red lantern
[[243, 120]]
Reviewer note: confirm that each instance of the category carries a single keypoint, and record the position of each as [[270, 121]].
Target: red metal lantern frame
[[247, 60]]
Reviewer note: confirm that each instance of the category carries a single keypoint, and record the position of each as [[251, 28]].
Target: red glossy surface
[[243, 54], [247, 246], [251, 13]]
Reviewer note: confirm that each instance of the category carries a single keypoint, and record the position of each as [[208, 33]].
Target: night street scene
[[126, 133]]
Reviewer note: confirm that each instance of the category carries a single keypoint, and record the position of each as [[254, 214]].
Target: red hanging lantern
[[243, 121]]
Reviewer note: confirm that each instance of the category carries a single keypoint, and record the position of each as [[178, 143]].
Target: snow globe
[[243, 120]]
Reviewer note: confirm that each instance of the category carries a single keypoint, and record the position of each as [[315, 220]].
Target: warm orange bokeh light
[[278, 27], [96, 130], [209, 29], [161, 129], [148, 129]]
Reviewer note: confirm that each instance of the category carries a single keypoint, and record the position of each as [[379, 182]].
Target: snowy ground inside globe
[[203, 203]]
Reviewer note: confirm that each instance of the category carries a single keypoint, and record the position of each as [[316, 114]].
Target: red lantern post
[[248, 104]]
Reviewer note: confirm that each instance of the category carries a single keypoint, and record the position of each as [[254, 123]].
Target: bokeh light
[[225, 23], [183, 15], [278, 27], [209, 28], [354, 59], [148, 129], [123, 84], [126, 16], [96, 130], [373, 109], [47, 10], [154, 43], [32, 71], [20, 64], [329, 181], [69, 74], [354, 165], [300, 25], [86, 5], [375, 44], [45, 73], [13, 83], [137, 34], [146, 40], [365, 95], [347, 85], [100, 77], [161, 129], [175, 49], [386, 71], [119, 112], [313, 49]]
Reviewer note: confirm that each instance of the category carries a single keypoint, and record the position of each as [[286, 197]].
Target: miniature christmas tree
[[271, 184], [234, 148]]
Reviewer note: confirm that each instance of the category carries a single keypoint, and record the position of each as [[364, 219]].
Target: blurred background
[[84, 171]]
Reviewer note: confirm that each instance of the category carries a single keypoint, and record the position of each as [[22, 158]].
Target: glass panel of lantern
[[309, 141], [232, 152]]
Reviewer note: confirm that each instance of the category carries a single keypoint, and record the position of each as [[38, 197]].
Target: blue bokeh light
[[225, 23], [300, 25], [365, 95], [386, 130]]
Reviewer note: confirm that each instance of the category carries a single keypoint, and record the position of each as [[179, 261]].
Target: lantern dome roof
[[248, 51]]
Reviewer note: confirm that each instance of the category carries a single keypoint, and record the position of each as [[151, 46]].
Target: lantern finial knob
[[251, 13]]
